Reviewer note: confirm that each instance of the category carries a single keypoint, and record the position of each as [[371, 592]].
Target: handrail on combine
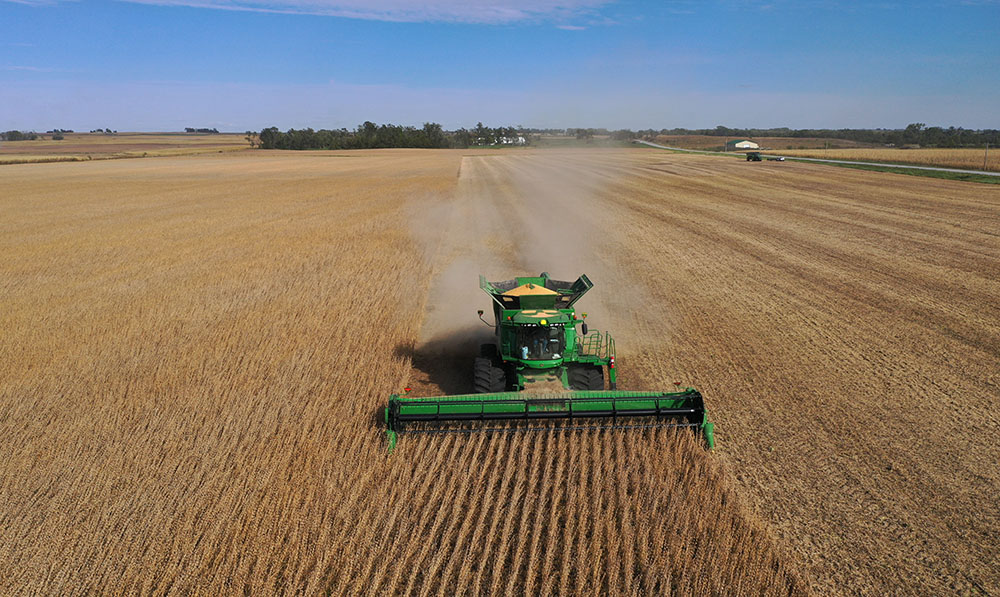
[[596, 344]]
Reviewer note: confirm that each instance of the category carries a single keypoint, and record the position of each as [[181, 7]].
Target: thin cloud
[[570, 27], [443, 11], [30, 69], [24, 68]]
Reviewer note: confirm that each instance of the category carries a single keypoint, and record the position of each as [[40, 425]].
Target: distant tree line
[[374, 136], [366, 136], [188, 129], [917, 133], [57, 135], [18, 136]]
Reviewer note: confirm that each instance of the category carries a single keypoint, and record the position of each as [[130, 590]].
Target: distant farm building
[[745, 144], [519, 140]]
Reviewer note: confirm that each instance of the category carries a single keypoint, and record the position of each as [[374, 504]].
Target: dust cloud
[[511, 215], [571, 223]]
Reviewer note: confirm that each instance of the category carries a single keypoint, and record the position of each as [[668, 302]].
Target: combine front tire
[[488, 379], [586, 378]]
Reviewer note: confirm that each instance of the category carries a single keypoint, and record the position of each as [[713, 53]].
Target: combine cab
[[537, 339], [545, 364]]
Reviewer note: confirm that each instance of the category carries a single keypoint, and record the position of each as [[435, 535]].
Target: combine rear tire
[[586, 378], [487, 378]]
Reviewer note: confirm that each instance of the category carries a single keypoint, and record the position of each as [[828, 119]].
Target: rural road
[[790, 157]]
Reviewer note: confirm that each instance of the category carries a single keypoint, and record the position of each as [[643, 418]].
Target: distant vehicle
[[777, 159], [753, 156]]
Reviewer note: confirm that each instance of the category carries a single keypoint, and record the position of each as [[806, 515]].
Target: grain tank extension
[[544, 364]]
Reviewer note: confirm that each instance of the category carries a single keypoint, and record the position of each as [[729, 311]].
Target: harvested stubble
[[86, 146], [193, 355]]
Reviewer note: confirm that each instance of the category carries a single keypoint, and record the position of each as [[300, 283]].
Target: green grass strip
[[914, 172]]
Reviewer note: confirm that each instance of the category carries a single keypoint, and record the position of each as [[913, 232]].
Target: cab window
[[541, 343]]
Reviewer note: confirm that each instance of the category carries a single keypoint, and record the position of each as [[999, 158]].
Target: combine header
[[541, 368]]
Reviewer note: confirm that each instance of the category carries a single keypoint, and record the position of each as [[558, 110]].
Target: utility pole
[[987, 156]]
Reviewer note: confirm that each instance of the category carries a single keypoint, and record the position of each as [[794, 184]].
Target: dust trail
[[520, 215], [463, 237], [571, 223]]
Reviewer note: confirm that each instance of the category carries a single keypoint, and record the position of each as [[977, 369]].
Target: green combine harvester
[[541, 367]]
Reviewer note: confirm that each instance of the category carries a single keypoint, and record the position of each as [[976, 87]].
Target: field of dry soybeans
[[969, 159], [195, 349]]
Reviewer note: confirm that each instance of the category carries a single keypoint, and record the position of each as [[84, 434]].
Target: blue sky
[[246, 64]]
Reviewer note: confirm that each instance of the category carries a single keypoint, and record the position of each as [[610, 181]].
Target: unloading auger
[[542, 368]]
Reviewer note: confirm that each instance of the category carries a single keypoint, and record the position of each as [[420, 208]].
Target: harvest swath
[[196, 352]]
